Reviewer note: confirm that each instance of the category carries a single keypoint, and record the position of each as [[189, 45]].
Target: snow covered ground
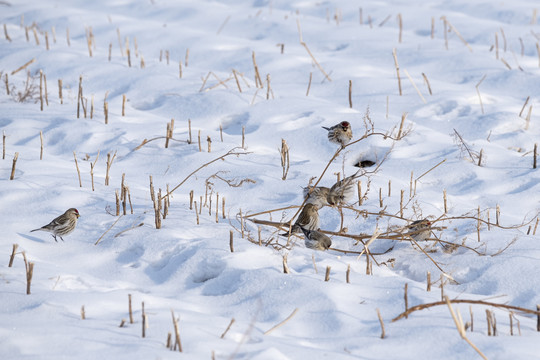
[[476, 96]]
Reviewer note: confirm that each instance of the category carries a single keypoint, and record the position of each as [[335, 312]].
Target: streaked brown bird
[[340, 134], [340, 193], [62, 225], [316, 240], [419, 230], [308, 218]]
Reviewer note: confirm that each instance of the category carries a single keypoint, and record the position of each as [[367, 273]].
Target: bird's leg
[[61, 238], [54, 236]]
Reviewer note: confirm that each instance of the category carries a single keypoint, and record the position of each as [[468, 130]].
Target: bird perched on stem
[[316, 240], [340, 193], [308, 218], [340, 134], [419, 230], [62, 225]]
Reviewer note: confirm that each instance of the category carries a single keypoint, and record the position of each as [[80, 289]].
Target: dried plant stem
[[327, 274], [143, 315], [397, 70], [83, 313], [41, 147], [427, 83], [60, 91], [478, 92], [110, 227], [12, 176], [315, 61], [29, 266], [130, 309], [243, 137], [231, 241], [461, 328], [196, 211], [350, 94], [22, 67], [284, 152], [457, 32], [428, 281], [414, 85], [124, 105], [382, 323], [282, 323], [524, 105], [227, 329], [309, 83], [6, 81], [406, 298], [13, 252], [79, 97], [258, 81], [445, 202], [176, 332], [286, 269]]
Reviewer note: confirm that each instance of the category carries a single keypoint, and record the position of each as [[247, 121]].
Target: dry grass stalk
[[524, 105], [350, 94], [258, 81], [231, 241], [536, 225], [41, 146], [13, 252], [442, 286], [236, 79], [176, 332], [6, 33], [537, 50], [402, 193], [12, 176], [124, 105], [406, 298], [130, 309], [444, 201], [26, 33], [471, 323], [428, 281], [3, 145], [496, 46], [268, 88], [457, 32], [381, 205], [217, 210], [189, 131], [478, 92], [101, 237], [128, 57], [41, 89], [479, 224], [286, 269], [538, 318], [327, 274], [67, 37], [414, 85], [29, 266], [200, 205], [359, 191], [199, 138], [91, 103], [122, 323], [78, 170], [110, 52], [108, 168], [117, 202], [6, 81], [309, 83], [35, 35], [397, 70], [60, 91], [461, 328], [143, 314], [426, 81], [167, 56], [315, 61], [284, 153], [83, 313], [209, 141], [23, 66], [528, 118], [79, 97], [382, 323], [227, 329], [45, 86], [92, 165], [120, 41], [223, 207], [196, 211], [169, 135], [191, 200], [282, 323], [243, 137]]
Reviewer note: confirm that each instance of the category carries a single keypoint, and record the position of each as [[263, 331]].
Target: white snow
[[189, 268]]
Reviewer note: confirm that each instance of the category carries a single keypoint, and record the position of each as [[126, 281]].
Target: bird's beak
[[78, 216]]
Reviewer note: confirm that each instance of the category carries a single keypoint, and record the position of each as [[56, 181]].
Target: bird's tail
[[36, 230], [325, 128]]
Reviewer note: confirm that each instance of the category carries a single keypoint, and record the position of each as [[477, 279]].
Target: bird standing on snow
[[316, 240], [62, 225], [308, 218], [419, 230], [340, 193], [340, 134]]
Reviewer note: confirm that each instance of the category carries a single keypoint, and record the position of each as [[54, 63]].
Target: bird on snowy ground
[[62, 225], [316, 240], [340, 193], [308, 218], [340, 134], [419, 230]]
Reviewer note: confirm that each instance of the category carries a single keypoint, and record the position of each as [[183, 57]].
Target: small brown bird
[[316, 240], [62, 225], [308, 218], [340, 134], [420, 230], [340, 193]]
